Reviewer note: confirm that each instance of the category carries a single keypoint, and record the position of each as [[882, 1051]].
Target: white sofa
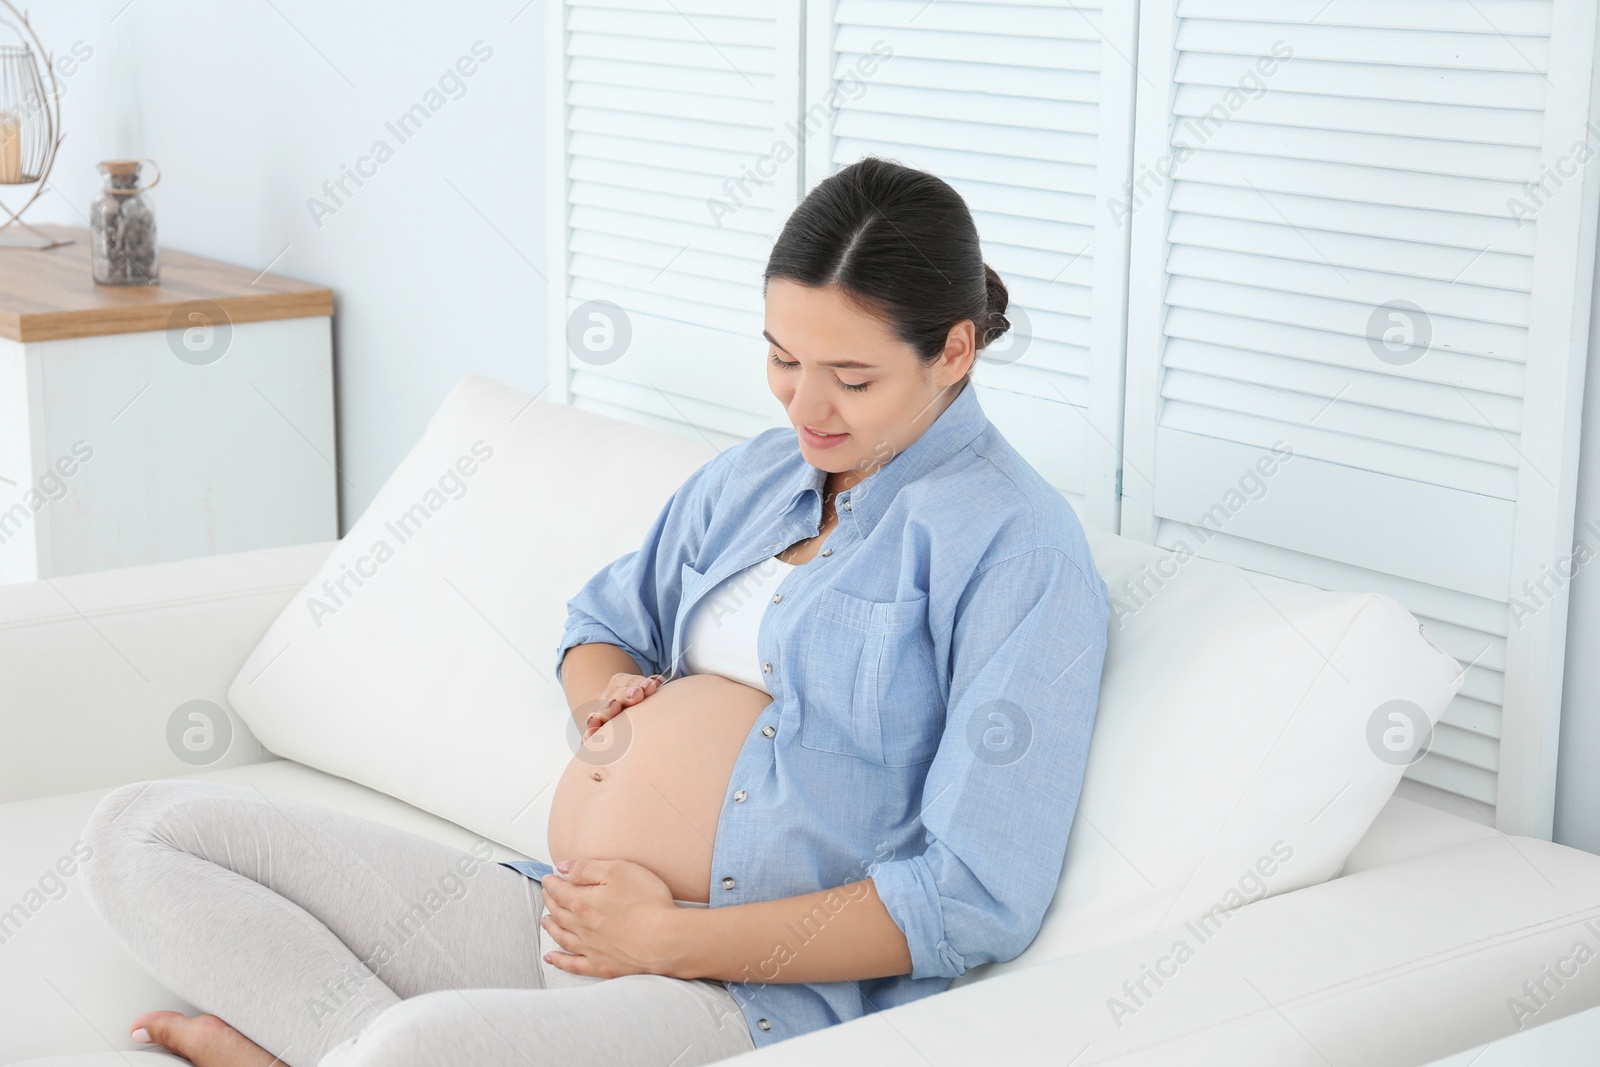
[[1416, 944]]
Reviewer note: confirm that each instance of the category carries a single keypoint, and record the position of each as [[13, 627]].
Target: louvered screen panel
[[1373, 163], [669, 109], [1024, 108]]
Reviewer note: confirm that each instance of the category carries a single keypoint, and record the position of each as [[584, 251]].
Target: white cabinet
[[139, 425]]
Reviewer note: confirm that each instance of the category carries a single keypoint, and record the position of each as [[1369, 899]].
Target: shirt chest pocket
[[871, 686]]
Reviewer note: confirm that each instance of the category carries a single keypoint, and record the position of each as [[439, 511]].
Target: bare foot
[[204, 1040]]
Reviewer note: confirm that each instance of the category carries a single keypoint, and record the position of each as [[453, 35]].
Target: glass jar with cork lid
[[123, 226]]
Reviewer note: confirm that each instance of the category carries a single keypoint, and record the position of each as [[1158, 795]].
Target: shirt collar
[[961, 421]]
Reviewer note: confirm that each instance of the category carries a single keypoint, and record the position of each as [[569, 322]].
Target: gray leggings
[[335, 941]]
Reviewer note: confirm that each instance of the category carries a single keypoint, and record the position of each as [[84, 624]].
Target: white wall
[[1578, 768], [249, 107]]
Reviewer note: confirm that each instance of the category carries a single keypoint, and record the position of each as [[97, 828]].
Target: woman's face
[[841, 372]]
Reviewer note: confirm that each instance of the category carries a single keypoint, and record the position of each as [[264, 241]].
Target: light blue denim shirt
[[934, 672]]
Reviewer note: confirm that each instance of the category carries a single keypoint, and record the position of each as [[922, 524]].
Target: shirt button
[[847, 505], [763, 1024], [766, 668], [776, 597], [727, 883], [767, 731], [738, 798], [827, 552]]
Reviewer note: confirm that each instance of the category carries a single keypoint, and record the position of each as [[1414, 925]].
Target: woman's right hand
[[623, 691]]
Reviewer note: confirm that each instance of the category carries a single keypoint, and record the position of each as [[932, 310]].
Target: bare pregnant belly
[[649, 785]]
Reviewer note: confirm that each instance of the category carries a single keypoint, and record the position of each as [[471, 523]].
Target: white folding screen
[[1360, 233], [1026, 109], [672, 165], [1361, 259], [684, 131]]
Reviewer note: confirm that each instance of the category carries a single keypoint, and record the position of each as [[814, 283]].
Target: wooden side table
[[141, 424]]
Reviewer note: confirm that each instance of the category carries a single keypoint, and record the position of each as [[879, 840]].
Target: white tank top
[[720, 634]]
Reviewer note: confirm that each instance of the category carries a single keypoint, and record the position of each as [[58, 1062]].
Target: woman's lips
[[816, 440]]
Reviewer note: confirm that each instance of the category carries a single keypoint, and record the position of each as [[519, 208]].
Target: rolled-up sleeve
[[1026, 655], [633, 600]]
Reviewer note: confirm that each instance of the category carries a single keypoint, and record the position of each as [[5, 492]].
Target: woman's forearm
[[832, 935], [587, 669]]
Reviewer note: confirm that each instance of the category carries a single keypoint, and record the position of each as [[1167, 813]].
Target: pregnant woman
[[835, 716]]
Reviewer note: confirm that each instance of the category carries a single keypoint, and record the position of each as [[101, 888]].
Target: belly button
[[598, 776]]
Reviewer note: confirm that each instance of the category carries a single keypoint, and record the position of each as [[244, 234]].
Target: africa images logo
[[337, 590]]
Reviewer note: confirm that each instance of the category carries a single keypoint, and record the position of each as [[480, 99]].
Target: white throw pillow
[[1246, 738], [1235, 709], [433, 679]]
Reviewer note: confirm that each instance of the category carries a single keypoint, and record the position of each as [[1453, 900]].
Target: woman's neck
[[839, 482]]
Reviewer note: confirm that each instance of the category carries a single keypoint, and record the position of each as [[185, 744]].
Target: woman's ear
[[960, 352]]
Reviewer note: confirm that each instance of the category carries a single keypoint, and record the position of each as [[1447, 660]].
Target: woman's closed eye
[[791, 366]]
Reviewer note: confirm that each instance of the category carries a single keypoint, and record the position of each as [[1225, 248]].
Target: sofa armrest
[[93, 666], [1392, 966]]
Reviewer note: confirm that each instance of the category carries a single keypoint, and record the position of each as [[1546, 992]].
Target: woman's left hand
[[613, 916]]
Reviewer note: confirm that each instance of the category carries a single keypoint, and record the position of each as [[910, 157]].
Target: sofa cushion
[[1392, 967], [420, 660], [1412, 823], [140, 640], [68, 986], [1237, 753], [1230, 760]]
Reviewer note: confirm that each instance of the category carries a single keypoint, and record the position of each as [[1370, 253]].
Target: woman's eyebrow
[[840, 364]]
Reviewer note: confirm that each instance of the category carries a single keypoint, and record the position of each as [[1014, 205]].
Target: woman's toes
[[204, 1040], [159, 1027]]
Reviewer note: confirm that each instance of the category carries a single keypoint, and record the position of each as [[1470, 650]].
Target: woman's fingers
[[600, 711], [556, 913], [609, 708], [552, 886], [625, 691], [602, 714], [632, 688], [575, 963], [563, 937]]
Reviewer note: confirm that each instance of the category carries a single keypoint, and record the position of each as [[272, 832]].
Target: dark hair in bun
[[994, 327], [900, 243]]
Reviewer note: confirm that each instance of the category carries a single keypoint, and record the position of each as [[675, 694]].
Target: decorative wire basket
[[30, 123]]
